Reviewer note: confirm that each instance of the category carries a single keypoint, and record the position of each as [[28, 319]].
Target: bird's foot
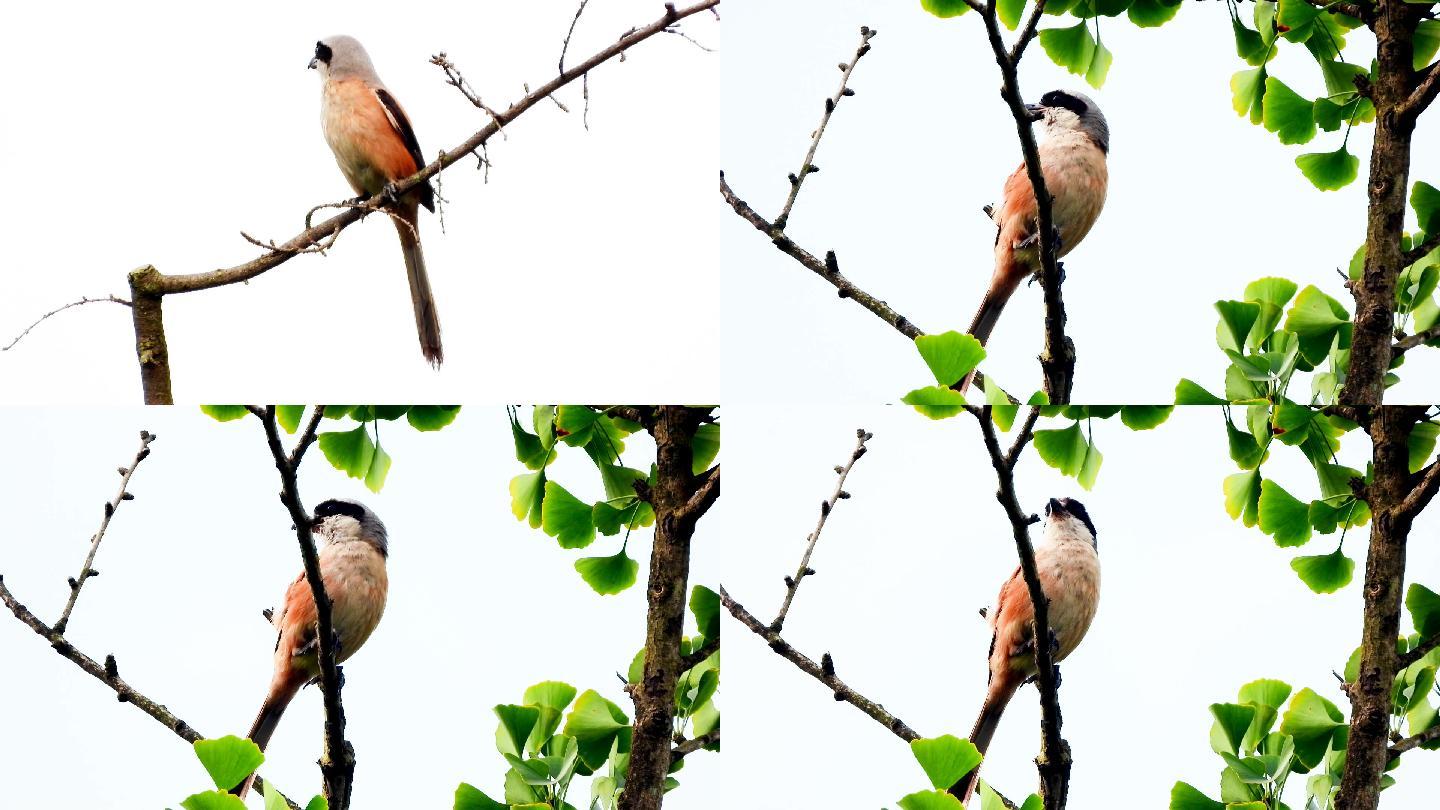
[[391, 194]]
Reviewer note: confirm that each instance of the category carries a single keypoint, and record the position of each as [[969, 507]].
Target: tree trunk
[[1384, 583], [1389, 180], [669, 573]]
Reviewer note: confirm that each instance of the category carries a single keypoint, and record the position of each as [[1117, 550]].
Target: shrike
[[375, 146], [352, 565], [1068, 561], [1072, 161]]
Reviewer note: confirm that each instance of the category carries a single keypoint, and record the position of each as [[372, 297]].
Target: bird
[[352, 566], [375, 145], [1068, 561], [1072, 161]]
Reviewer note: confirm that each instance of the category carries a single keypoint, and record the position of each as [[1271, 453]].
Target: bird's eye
[[322, 52]]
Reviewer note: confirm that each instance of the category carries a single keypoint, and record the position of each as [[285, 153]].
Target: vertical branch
[[1390, 521], [1370, 352], [1057, 360], [1054, 760], [337, 762], [674, 429], [86, 571], [150, 348]]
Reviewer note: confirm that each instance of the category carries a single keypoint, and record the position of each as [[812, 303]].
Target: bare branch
[[807, 167], [1429, 735], [1420, 494], [829, 269], [1420, 251], [792, 584], [690, 746], [108, 674], [1420, 651], [58, 310], [1423, 95], [1409, 342], [707, 490], [86, 571], [823, 672]]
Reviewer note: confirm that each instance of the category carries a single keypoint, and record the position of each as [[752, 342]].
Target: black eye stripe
[[323, 52], [332, 507], [1059, 98]]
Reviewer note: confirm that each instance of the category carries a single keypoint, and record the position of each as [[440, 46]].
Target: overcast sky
[[481, 606], [1193, 606], [1201, 201], [156, 136]]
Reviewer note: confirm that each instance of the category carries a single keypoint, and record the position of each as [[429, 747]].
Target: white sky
[[1200, 203], [1193, 606], [185, 126], [480, 607]]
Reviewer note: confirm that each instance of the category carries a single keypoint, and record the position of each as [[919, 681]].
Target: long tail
[[1002, 286], [995, 701], [265, 723], [427, 322]]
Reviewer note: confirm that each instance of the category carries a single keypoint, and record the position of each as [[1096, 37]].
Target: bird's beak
[[313, 63], [1034, 111], [315, 522]]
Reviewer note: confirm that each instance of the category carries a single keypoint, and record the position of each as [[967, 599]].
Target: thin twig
[[86, 571], [1409, 342], [1420, 651], [807, 167], [1054, 760], [828, 269], [109, 674], [566, 46], [1027, 431], [1429, 735], [823, 672], [690, 746], [792, 584], [1420, 251], [58, 310]]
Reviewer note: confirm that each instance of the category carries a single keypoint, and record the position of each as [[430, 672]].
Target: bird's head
[[1068, 516], [1068, 111], [341, 520], [341, 57]]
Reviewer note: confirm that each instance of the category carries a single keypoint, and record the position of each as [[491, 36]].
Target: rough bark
[[1384, 586], [150, 349], [675, 517], [1389, 180]]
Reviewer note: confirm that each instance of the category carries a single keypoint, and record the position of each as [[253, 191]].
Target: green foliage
[[228, 760], [950, 356], [574, 522], [945, 759], [356, 452]]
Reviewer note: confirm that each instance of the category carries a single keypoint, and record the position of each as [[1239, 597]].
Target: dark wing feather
[[412, 144]]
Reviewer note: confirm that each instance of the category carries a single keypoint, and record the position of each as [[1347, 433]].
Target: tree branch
[[690, 746], [1420, 494], [1054, 760], [707, 490], [823, 672], [1057, 360], [696, 658], [792, 584], [828, 269], [1424, 94], [807, 167], [86, 571], [1409, 342], [1429, 735], [57, 311], [149, 286], [1420, 651], [337, 762], [650, 753], [1420, 251]]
